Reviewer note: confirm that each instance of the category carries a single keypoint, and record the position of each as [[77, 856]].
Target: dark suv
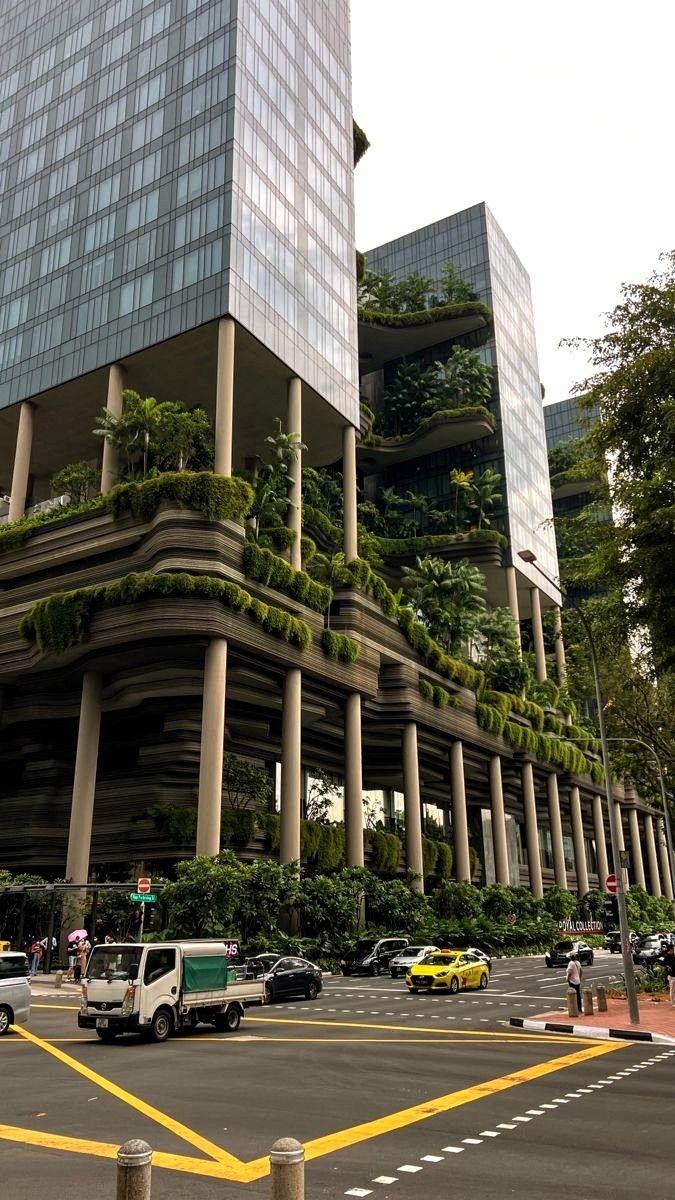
[[371, 956]]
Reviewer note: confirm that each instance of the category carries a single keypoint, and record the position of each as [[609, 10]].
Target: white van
[[158, 988], [14, 990]]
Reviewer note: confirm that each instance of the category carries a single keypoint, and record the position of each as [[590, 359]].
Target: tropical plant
[[183, 440], [486, 494], [322, 793], [452, 289], [77, 480], [462, 486], [246, 784], [322, 489], [404, 400], [462, 380], [273, 479], [449, 599]]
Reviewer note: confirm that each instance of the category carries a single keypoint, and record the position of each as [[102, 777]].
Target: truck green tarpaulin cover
[[203, 973]]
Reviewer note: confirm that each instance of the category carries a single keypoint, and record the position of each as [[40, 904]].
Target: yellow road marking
[[227, 1166], [180, 1130], [64, 1007], [482, 1034]]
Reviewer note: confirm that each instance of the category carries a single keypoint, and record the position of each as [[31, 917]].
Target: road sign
[[144, 885], [610, 883], [142, 897]]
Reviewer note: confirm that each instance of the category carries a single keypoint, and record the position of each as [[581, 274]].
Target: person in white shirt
[[574, 976]]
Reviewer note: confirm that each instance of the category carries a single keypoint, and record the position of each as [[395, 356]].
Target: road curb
[[585, 1031]]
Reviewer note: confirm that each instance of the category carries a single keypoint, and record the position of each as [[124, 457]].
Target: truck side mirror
[[133, 972]]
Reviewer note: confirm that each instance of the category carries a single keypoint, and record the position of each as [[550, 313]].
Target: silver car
[[401, 963], [14, 990]]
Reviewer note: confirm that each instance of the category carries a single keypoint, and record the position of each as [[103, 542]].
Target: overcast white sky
[[560, 115]]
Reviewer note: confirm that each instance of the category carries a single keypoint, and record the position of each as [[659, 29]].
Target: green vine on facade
[[339, 647], [267, 568], [62, 620]]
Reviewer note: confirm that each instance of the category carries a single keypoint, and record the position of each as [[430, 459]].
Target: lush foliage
[[62, 620], [153, 435], [215, 497], [267, 568], [416, 392], [273, 480], [77, 481], [339, 646]]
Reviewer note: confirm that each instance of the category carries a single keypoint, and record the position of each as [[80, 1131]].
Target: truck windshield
[[107, 962]]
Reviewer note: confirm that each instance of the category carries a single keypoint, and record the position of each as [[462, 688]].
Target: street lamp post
[[629, 972]]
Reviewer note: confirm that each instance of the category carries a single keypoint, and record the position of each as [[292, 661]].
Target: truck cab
[[158, 988]]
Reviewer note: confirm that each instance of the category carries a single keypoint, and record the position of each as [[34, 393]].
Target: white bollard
[[134, 1169], [287, 1170]]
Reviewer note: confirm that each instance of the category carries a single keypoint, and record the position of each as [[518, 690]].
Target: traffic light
[[612, 909]]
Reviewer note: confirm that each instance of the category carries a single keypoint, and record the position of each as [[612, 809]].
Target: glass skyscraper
[[475, 243], [164, 163]]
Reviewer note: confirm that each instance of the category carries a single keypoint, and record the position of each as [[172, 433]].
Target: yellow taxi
[[448, 971]]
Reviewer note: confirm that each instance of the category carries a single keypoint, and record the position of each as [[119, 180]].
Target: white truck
[[158, 988]]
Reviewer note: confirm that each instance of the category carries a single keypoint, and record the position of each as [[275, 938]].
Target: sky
[[559, 115]]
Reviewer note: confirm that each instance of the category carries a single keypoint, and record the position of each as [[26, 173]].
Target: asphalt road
[[391, 1094]]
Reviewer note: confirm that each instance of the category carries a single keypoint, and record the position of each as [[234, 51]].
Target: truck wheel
[[6, 1018], [161, 1026], [228, 1021], [107, 1035]]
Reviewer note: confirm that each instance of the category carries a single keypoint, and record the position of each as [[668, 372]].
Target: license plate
[[101, 1022]]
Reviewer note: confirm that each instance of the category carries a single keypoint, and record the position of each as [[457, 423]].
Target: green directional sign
[[143, 897]]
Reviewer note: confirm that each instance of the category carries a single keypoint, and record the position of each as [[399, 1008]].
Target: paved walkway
[[655, 1017]]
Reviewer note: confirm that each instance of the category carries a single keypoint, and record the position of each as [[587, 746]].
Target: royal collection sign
[[586, 927]]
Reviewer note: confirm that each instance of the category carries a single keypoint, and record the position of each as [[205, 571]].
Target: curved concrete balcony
[[384, 337], [440, 431]]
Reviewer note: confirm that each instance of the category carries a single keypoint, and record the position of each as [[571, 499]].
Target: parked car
[[259, 964], [371, 956], [448, 970], [560, 954], [401, 963], [648, 949], [14, 990], [286, 977]]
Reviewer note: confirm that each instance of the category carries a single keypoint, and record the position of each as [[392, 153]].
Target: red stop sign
[[144, 886], [610, 883]]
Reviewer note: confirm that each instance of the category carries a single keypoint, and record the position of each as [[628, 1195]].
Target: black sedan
[[560, 954], [286, 977]]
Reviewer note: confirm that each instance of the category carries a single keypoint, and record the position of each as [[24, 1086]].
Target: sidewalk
[[657, 1022], [44, 985]]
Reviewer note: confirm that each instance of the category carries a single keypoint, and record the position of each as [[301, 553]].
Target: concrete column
[[600, 841], [665, 864], [512, 600], [532, 832], [578, 841], [538, 635], [84, 781], [353, 782], [291, 767], [636, 847], [114, 404], [294, 425], [412, 805], [459, 823], [651, 855], [349, 495], [559, 869], [498, 821], [22, 453], [560, 664], [222, 464], [211, 752]]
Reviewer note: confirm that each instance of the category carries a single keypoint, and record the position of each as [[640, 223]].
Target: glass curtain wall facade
[[565, 421], [165, 162], [474, 242]]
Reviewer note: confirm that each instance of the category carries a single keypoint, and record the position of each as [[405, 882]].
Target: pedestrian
[[83, 948], [668, 961], [35, 951], [72, 959], [574, 976]]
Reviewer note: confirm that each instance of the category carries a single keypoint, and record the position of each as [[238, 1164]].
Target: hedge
[[386, 849], [62, 620], [339, 647], [437, 695], [267, 568], [216, 497], [465, 412], [422, 642], [318, 520], [405, 547], [425, 316]]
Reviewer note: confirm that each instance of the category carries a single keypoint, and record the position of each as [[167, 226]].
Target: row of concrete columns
[[537, 628], [211, 777]]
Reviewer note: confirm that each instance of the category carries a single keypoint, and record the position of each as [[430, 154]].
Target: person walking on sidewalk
[[668, 961], [574, 976]]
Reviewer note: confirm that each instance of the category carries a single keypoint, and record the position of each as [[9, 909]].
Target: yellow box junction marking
[[222, 1165]]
